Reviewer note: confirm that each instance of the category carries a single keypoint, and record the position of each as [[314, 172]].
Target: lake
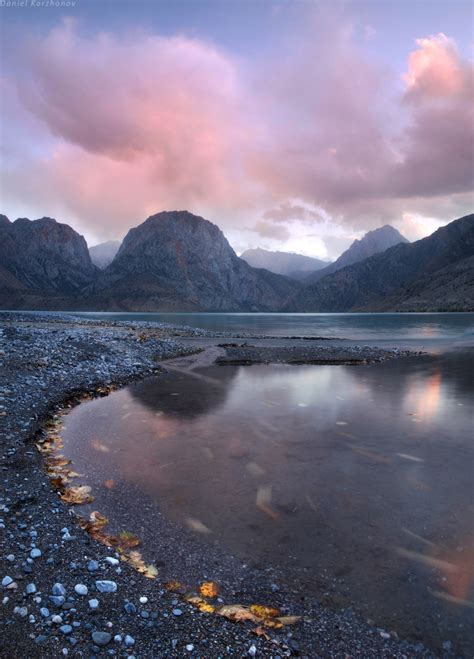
[[355, 326], [355, 481]]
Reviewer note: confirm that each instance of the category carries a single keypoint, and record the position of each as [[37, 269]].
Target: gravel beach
[[65, 594]]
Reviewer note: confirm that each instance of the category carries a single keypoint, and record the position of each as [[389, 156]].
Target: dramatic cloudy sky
[[293, 125]]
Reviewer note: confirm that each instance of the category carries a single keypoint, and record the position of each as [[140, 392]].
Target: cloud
[[105, 130]]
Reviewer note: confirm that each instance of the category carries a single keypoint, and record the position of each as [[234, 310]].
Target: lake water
[[355, 481], [356, 326]]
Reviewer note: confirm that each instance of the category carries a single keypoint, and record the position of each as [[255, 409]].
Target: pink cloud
[[129, 126]]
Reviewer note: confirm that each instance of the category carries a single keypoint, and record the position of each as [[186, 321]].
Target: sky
[[294, 125]]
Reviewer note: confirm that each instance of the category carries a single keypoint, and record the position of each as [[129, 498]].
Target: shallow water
[[355, 481], [357, 326]]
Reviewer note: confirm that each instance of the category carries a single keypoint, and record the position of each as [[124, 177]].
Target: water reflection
[[356, 481]]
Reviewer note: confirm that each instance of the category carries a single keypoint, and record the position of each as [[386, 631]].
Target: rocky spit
[[64, 594]]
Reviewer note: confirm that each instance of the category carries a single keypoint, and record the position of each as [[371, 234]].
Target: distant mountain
[[372, 243], [104, 253], [434, 273], [41, 258], [296, 266], [179, 261]]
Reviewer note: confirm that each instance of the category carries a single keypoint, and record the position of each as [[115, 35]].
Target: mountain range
[[373, 242], [295, 266], [178, 261]]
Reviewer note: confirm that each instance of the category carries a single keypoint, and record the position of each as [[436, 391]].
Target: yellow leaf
[[209, 589], [264, 611], [201, 604]]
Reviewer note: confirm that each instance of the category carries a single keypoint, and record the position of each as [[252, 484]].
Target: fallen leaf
[[200, 604], [259, 631], [174, 586], [264, 611], [209, 589], [109, 484], [77, 495]]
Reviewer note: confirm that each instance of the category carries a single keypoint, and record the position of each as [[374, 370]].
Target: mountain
[[372, 243], [104, 253], [41, 258], [435, 273], [296, 266], [178, 261]]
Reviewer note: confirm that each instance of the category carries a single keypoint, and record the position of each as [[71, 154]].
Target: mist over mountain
[[371, 243], [177, 261], [296, 266], [104, 253], [407, 276]]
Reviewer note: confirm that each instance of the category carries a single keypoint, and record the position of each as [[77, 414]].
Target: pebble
[[92, 566], [177, 612], [66, 629], [106, 586], [252, 650], [190, 647], [129, 641], [6, 581], [35, 552], [57, 619], [30, 589], [57, 600], [129, 607], [81, 589], [58, 589], [143, 600], [112, 561], [44, 612], [94, 604], [101, 638], [385, 635]]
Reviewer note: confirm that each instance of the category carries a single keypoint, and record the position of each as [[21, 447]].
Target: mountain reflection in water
[[355, 480]]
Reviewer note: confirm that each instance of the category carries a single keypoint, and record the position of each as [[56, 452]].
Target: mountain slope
[[42, 257], [104, 253], [289, 264], [388, 280], [373, 242], [179, 261]]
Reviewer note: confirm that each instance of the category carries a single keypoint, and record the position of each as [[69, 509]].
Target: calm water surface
[[357, 326], [356, 481]]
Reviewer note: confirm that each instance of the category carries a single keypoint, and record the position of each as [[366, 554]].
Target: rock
[[92, 566], [94, 604], [129, 607], [129, 641], [252, 650], [6, 581], [81, 589], [58, 589], [105, 586], [143, 600], [57, 600], [66, 629], [57, 620], [177, 612], [30, 589], [44, 612], [112, 561], [101, 638], [190, 647], [35, 552]]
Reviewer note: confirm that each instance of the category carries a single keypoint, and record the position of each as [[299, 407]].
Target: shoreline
[[44, 364]]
